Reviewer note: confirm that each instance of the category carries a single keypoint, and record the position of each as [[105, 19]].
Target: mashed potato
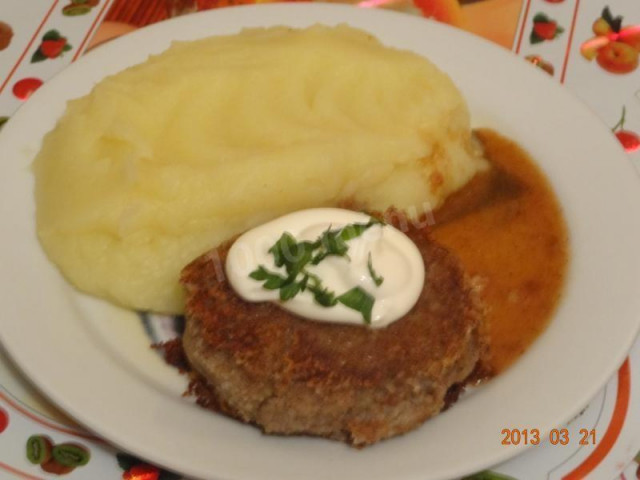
[[167, 159]]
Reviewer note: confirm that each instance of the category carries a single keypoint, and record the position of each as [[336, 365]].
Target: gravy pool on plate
[[515, 241]]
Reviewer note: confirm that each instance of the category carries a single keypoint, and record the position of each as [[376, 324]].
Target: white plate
[[93, 360]]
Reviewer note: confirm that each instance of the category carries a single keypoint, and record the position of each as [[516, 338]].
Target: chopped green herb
[[289, 290], [360, 300], [260, 273], [272, 280], [303, 283], [377, 279], [283, 249], [295, 256], [356, 229], [324, 296]]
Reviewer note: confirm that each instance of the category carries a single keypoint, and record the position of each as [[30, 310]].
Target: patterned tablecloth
[[563, 37]]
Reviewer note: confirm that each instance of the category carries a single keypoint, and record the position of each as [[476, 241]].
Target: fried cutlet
[[260, 364]]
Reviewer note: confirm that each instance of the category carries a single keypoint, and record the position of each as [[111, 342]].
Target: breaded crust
[[262, 365]]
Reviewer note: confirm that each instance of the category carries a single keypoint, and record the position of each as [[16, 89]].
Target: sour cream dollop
[[394, 257]]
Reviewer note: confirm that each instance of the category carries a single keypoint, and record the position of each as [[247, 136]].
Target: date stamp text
[[557, 436]]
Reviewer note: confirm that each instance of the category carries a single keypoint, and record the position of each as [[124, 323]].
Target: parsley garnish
[[377, 279], [295, 256], [360, 300]]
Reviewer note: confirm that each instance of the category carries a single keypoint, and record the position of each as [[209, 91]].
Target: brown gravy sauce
[[508, 230]]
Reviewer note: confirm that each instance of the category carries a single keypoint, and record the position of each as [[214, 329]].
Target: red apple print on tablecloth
[[142, 472], [79, 7], [136, 469], [544, 28], [541, 63], [629, 140], [615, 48], [23, 89], [59, 459], [6, 34], [53, 45], [4, 419]]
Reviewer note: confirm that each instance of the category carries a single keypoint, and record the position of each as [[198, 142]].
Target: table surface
[[612, 417]]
